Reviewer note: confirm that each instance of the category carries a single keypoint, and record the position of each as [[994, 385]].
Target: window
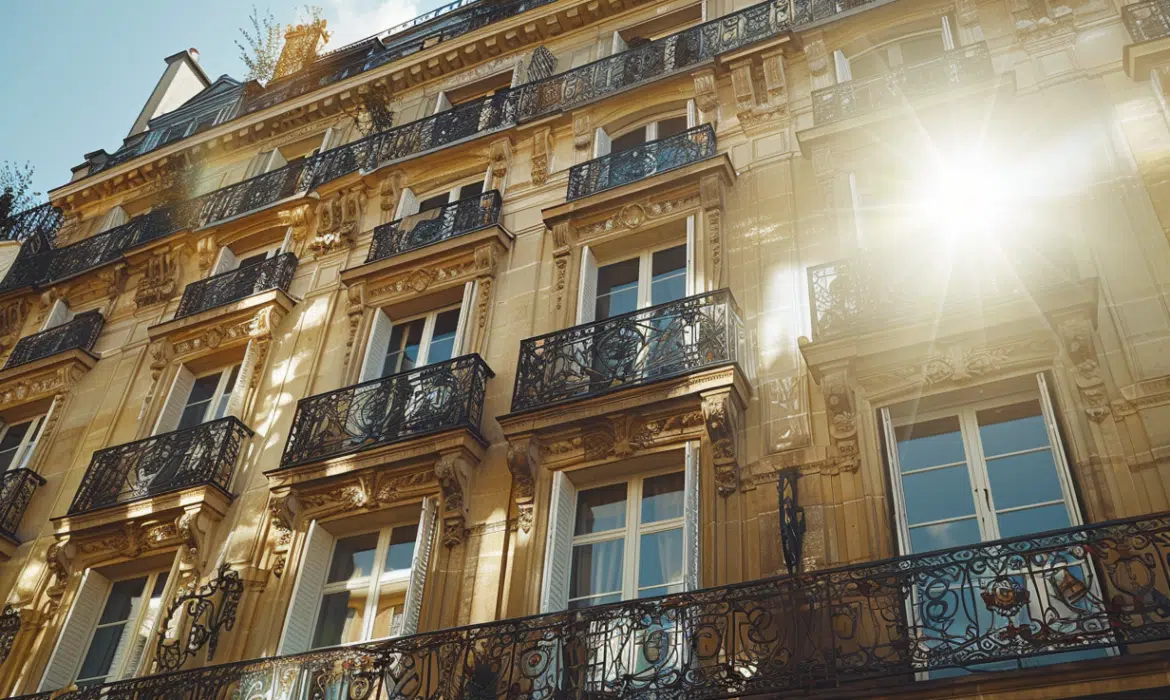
[[195, 400], [604, 144], [359, 586], [409, 204], [106, 632], [402, 345], [365, 589], [635, 538], [229, 261], [264, 162], [910, 48], [653, 277], [978, 472], [59, 315], [17, 443]]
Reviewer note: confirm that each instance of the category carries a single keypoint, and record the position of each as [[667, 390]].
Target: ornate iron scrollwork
[[9, 628], [17, 487], [207, 611], [81, 333], [43, 220], [429, 227], [234, 285], [641, 162], [791, 520], [407, 405], [205, 454], [1147, 20]]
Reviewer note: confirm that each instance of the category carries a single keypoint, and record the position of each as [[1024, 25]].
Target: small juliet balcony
[[965, 67], [236, 285], [640, 162], [204, 456], [253, 194], [663, 342], [17, 487], [436, 225], [446, 396], [1148, 24], [80, 334]]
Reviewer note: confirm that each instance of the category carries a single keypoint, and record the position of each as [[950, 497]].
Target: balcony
[[1148, 24], [79, 334], [962, 67], [17, 487], [421, 230], [241, 283], [641, 162], [254, 193], [661, 342], [43, 220], [424, 401], [201, 456], [885, 288], [1088, 598]]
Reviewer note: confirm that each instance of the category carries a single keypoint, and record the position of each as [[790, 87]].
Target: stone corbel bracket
[[523, 463]]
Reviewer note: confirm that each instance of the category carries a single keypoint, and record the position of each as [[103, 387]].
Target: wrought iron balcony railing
[[664, 341], [640, 162], [963, 66], [420, 230], [1071, 594], [254, 193], [1147, 20], [234, 285], [17, 487], [203, 455], [43, 220], [80, 333], [871, 291], [407, 405]]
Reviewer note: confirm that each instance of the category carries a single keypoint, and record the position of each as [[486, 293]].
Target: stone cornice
[[43, 378]]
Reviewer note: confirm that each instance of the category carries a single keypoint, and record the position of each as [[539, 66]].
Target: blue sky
[[76, 72]]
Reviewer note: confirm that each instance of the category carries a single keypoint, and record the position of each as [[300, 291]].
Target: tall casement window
[[912, 45], [228, 260], [653, 276], [359, 585], [194, 400], [107, 630], [400, 345], [18, 441], [605, 142], [622, 540], [410, 204]]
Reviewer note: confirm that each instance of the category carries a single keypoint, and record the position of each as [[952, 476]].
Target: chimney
[[183, 79]]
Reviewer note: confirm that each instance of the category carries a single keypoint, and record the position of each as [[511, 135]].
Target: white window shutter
[[172, 410], [692, 534], [842, 65], [423, 544], [558, 548], [618, 45], [692, 114], [442, 104], [58, 315], [286, 246], [226, 262], [76, 633], [114, 218], [587, 287], [896, 481], [257, 165], [601, 143], [38, 424], [407, 204], [301, 619], [463, 328], [947, 35], [329, 139], [239, 396], [275, 162], [1059, 456], [377, 346], [692, 281]]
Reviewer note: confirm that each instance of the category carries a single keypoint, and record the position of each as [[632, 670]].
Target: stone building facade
[[608, 348]]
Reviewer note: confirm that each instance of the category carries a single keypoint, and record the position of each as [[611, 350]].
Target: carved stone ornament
[[787, 413], [622, 435], [454, 474], [724, 421], [59, 560], [815, 54], [296, 219], [12, 315], [365, 490], [207, 250], [523, 461], [52, 381], [421, 279], [711, 196], [840, 405], [543, 146], [339, 216], [160, 279], [500, 161], [390, 190], [282, 517], [1076, 334], [582, 133], [355, 308], [706, 94]]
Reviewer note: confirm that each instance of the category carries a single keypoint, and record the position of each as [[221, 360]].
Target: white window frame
[[646, 271], [986, 514], [121, 668], [632, 532], [372, 584], [649, 129], [222, 392], [28, 444], [892, 49], [430, 318]]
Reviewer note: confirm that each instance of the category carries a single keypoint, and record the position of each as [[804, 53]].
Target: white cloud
[[353, 20]]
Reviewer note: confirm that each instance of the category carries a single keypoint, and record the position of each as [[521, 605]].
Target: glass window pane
[[353, 557], [660, 558], [390, 604], [633, 139], [617, 288], [1024, 479], [340, 620], [1032, 520], [921, 48], [443, 338], [101, 652], [597, 568], [221, 409], [944, 535], [1012, 428], [870, 64], [930, 443], [672, 126], [10, 443], [471, 190], [601, 509], [662, 497], [599, 600], [405, 341], [938, 494], [434, 202], [124, 595], [669, 275], [400, 554], [203, 388]]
